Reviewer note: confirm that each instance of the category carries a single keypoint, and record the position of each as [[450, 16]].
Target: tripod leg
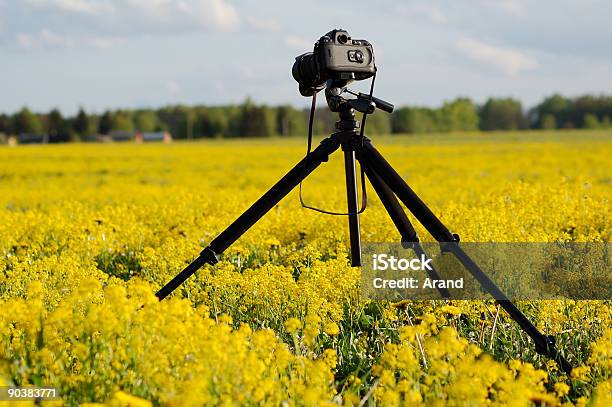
[[254, 213], [391, 204], [545, 345], [402, 223], [373, 159], [351, 195]]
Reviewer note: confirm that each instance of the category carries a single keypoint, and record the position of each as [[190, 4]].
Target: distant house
[[29, 138], [59, 138], [121, 135], [163, 136], [99, 138]]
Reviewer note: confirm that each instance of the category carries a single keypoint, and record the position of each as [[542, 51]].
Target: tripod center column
[[347, 127]]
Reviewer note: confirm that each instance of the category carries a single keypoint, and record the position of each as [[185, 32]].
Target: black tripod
[[389, 186]]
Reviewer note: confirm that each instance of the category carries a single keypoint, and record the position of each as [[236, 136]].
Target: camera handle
[[363, 102], [379, 103]]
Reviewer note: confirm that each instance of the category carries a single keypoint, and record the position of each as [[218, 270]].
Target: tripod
[[389, 187]]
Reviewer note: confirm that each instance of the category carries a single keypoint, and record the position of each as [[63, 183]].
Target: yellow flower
[[88, 234], [332, 329], [451, 309], [292, 325], [127, 400], [562, 389], [581, 373]]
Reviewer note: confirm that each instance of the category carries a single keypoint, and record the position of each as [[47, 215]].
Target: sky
[[149, 53]]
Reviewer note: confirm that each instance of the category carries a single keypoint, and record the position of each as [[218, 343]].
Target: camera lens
[[305, 68], [306, 72]]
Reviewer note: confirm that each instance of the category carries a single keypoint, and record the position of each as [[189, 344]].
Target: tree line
[[253, 120]]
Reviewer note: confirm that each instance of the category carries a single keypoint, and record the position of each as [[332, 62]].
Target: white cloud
[[75, 6], [419, 12], [514, 7], [264, 24], [217, 14], [45, 38], [508, 61], [172, 87], [298, 43], [104, 23], [437, 16], [24, 40], [102, 42], [224, 14], [150, 15]]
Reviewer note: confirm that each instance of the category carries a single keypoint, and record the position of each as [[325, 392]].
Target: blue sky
[[149, 53]]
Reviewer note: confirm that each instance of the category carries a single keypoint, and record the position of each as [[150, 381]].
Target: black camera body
[[340, 55], [335, 56]]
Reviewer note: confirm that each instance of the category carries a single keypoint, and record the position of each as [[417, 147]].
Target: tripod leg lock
[[548, 347], [408, 243], [323, 156], [446, 247], [209, 256], [549, 350]]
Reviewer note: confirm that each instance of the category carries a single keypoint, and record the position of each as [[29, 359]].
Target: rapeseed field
[[89, 232]]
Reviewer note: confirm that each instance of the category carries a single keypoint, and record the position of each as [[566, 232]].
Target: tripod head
[[362, 103]]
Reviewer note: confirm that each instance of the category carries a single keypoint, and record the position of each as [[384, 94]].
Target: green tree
[[590, 121], [290, 122], [27, 122], [548, 122], [183, 122], [257, 121], [378, 123], [56, 125], [145, 121], [554, 107], [105, 123], [459, 115], [121, 121], [502, 114], [190, 118], [82, 124], [400, 120], [422, 120], [214, 122], [173, 119], [4, 123], [324, 123], [233, 115]]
